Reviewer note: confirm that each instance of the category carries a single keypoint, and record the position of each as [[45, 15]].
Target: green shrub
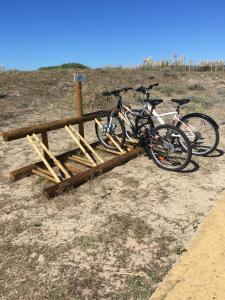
[[200, 103], [166, 89], [65, 66], [196, 87]]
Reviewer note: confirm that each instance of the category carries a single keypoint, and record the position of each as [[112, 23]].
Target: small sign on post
[[78, 79]]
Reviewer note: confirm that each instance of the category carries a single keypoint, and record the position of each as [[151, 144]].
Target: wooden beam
[[80, 106], [82, 161], [23, 132], [109, 150], [78, 179], [44, 138], [44, 175]]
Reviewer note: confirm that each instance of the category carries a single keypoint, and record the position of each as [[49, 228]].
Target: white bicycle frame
[[175, 118]]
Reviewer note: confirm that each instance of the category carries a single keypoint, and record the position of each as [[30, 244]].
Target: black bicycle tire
[[123, 132], [188, 150], [212, 123]]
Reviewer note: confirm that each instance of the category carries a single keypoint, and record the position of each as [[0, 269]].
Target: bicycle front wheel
[[165, 148], [112, 126]]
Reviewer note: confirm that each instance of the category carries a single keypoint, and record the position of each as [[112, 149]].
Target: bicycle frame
[[176, 118]]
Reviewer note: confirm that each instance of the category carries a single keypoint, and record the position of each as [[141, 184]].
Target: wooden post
[[80, 106], [44, 137]]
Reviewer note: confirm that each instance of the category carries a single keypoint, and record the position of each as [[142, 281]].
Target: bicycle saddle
[[180, 101], [153, 102]]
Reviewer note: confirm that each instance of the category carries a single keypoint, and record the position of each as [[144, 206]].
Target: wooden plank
[[73, 168], [79, 179], [109, 150], [44, 137], [86, 144], [48, 126], [39, 173], [124, 119], [110, 137], [43, 171], [43, 159], [80, 146], [57, 163], [81, 161]]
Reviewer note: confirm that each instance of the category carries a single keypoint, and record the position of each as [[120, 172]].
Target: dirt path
[[134, 220]]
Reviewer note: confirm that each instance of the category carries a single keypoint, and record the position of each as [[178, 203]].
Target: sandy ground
[[115, 237], [199, 273]]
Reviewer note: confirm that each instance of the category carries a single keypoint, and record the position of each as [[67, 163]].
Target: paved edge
[[200, 272]]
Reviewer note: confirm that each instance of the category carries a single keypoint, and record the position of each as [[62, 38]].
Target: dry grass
[[114, 237]]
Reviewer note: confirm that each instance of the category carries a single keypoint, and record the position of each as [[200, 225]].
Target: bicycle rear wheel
[[165, 148], [202, 132]]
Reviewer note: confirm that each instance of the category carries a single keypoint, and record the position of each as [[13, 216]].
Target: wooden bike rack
[[62, 169]]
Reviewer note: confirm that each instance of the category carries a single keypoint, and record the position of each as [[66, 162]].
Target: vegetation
[[180, 64], [65, 66], [196, 87]]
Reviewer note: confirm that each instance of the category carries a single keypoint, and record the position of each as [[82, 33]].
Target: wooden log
[[78, 179], [53, 125], [27, 170], [80, 106], [44, 137]]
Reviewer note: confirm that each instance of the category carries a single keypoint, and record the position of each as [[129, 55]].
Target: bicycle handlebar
[[143, 89], [116, 92]]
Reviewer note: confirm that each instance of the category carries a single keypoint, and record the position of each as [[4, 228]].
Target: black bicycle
[[162, 143]]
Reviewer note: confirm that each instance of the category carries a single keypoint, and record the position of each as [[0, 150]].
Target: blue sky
[[108, 32]]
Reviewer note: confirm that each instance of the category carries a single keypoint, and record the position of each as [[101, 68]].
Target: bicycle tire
[[183, 136], [103, 141], [212, 124]]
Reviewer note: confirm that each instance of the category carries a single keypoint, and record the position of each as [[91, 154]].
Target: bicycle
[[162, 143], [201, 129]]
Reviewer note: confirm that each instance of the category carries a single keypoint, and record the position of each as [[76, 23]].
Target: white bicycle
[[201, 130]]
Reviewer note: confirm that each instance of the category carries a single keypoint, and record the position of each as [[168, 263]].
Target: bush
[[196, 87], [200, 103], [65, 66], [167, 90]]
